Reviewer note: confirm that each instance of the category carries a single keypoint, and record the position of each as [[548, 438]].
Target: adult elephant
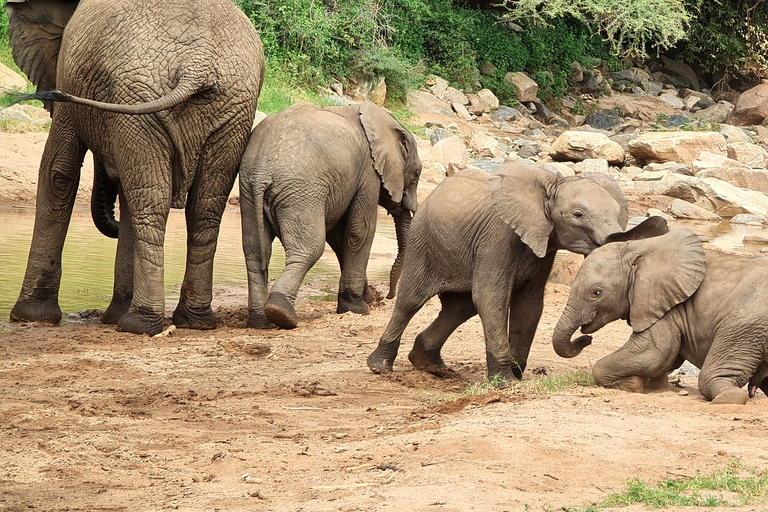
[[314, 174], [163, 94], [683, 303], [486, 247]]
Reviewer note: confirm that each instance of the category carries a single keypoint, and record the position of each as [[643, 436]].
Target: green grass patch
[[735, 485], [536, 385]]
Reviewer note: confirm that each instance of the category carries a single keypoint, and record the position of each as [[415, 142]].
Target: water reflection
[[88, 259]]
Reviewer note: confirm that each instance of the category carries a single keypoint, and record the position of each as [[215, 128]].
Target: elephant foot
[[26, 310], [280, 311], [355, 304], [141, 321], [426, 360], [380, 362], [731, 396], [658, 383], [502, 378], [203, 319], [633, 384], [257, 320], [116, 309]]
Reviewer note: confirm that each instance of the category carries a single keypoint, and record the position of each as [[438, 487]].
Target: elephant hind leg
[[205, 206], [303, 237], [58, 179], [122, 290], [457, 309], [733, 358]]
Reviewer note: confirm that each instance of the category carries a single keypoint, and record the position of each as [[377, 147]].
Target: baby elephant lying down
[[683, 303]]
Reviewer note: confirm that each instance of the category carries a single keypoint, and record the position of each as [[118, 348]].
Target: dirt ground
[[239, 419]]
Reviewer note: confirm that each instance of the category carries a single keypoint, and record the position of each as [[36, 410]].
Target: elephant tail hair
[[184, 90]]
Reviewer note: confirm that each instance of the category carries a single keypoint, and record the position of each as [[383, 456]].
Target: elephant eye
[[578, 214], [597, 292]]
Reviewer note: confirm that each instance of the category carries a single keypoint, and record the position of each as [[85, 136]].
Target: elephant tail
[[185, 89], [256, 236]]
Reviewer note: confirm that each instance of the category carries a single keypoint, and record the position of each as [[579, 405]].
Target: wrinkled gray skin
[[163, 94], [314, 174], [683, 303], [486, 247]]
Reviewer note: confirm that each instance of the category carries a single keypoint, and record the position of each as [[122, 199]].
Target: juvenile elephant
[[314, 174], [486, 247], [164, 95], [683, 302]]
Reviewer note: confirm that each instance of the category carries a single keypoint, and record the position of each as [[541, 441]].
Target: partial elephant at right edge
[[683, 302], [486, 246], [313, 174]]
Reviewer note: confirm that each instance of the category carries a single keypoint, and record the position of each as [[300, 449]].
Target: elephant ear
[[650, 227], [392, 147], [610, 185], [666, 271], [35, 29], [520, 194]]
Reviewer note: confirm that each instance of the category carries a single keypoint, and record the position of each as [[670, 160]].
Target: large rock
[[484, 145], [450, 150], [477, 106], [682, 147], [525, 88], [716, 114], [10, 81], [427, 103], [577, 146], [489, 98], [672, 100], [684, 210], [603, 119], [682, 69], [453, 95], [750, 154], [592, 166], [715, 195], [751, 107], [707, 161], [565, 271], [744, 177]]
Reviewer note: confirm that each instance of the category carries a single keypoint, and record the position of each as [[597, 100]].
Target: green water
[[88, 259]]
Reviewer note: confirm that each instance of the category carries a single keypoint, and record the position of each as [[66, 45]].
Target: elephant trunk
[[566, 326], [402, 226], [103, 200]]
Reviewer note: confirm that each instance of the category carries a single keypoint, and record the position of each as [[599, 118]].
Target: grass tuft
[[735, 485]]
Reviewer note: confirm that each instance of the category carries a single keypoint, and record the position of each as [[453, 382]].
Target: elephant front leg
[[493, 307], [352, 239], [457, 309], [58, 179], [646, 357]]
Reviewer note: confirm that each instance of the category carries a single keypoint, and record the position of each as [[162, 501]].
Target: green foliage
[[748, 484], [631, 27], [403, 40], [5, 49], [729, 36]]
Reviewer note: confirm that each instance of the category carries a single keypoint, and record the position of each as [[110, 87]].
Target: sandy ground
[[238, 419]]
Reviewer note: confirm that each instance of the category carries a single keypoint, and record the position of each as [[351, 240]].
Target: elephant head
[[638, 280], [396, 160], [581, 212]]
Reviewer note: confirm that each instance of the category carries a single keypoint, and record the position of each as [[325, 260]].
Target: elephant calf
[[314, 174], [683, 303], [486, 246]]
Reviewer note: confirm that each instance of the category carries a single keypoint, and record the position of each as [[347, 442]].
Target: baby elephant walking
[[683, 303], [486, 247], [314, 174]]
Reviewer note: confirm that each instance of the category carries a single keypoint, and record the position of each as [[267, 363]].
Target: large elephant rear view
[[163, 94]]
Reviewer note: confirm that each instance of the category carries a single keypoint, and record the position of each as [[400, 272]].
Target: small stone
[[683, 392]]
